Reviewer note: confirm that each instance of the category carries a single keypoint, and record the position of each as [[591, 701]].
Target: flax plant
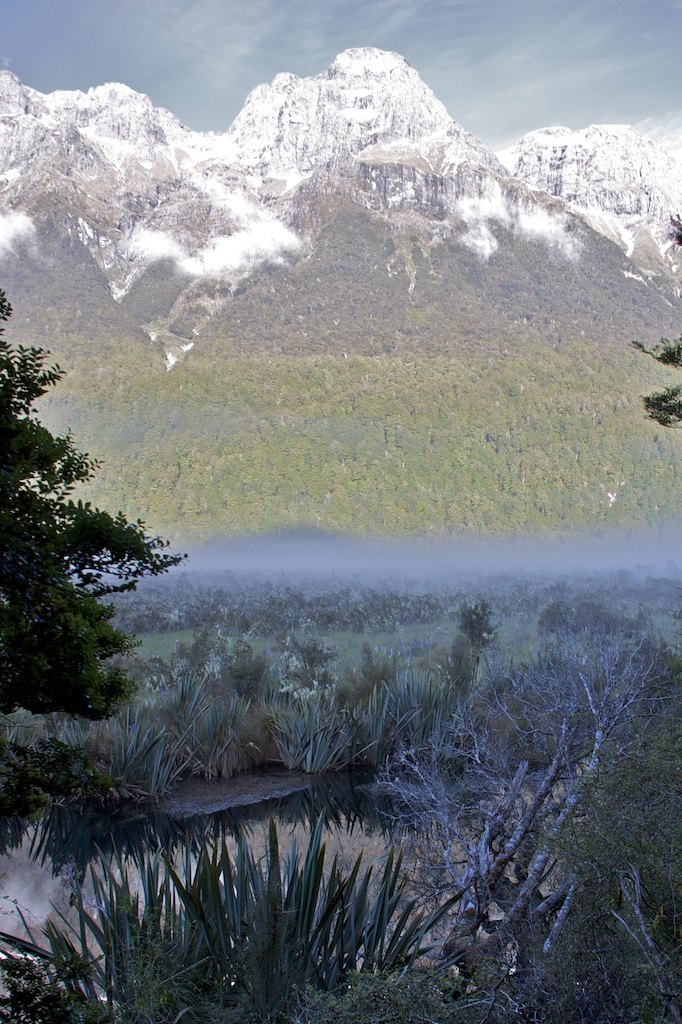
[[313, 736], [232, 929], [218, 750]]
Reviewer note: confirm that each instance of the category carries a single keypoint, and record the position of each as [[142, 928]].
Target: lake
[[40, 860]]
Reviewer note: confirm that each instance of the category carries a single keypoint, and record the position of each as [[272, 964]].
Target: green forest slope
[[378, 383], [537, 439]]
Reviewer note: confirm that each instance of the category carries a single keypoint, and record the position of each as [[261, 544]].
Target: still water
[[39, 860]]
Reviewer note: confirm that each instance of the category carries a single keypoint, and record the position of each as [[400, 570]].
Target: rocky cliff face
[[625, 184], [136, 189]]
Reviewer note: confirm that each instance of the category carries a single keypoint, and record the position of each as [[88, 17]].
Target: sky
[[501, 67]]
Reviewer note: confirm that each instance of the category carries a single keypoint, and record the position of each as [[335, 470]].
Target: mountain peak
[[366, 98], [362, 61], [609, 171]]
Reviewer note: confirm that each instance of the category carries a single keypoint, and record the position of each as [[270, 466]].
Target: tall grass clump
[[421, 705], [136, 751], [407, 712], [183, 731], [214, 726], [312, 733], [218, 740], [160, 938]]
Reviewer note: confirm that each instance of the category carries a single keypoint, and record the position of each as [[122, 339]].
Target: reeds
[[191, 730], [248, 929]]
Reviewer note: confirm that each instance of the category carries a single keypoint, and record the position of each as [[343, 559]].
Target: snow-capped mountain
[[369, 106], [139, 186], [138, 191], [627, 185]]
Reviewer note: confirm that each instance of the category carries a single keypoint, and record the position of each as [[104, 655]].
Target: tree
[[665, 407], [475, 634], [58, 558], [499, 808]]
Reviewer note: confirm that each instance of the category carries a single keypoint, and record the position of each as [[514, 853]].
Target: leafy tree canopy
[[665, 407], [58, 557]]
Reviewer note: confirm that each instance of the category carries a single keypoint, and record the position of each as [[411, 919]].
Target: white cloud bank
[[479, 214], [13, 227], [258, 236]]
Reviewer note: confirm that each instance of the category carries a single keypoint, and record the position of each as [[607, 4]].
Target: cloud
[[550, 228], [14, 227], [666, 131], [258, 237], [241, 251], [153, 246], [537, 223], [478, 213]]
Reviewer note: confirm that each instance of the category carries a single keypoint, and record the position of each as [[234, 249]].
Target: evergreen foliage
[[665, 407], [58, 557], [395, 445]]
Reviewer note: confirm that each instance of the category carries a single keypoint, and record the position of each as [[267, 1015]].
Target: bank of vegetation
[[527, 739]]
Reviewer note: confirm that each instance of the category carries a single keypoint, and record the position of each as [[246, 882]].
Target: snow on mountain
[[369, 104], [133, 183], [135, 186], [625, 184]]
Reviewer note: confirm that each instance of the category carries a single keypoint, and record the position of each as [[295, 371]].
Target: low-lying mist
[[655, 551]]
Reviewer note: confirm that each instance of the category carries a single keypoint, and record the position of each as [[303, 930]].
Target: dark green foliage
[[669, 352], [270, 962], [459, 665], [234, 937], [306, 660], [417, 997], [586, 615], [58, 557], [36, 994], [476, 633], [665, 407], [475, 623], [262, 607], [30, 774]]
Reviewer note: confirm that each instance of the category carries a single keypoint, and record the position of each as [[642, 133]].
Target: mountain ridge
[[382, 319], [219, 204]]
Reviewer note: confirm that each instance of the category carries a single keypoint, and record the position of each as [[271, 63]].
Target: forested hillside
[[533, 438]]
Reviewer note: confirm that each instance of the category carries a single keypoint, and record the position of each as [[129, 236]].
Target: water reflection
[[67, 836]]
